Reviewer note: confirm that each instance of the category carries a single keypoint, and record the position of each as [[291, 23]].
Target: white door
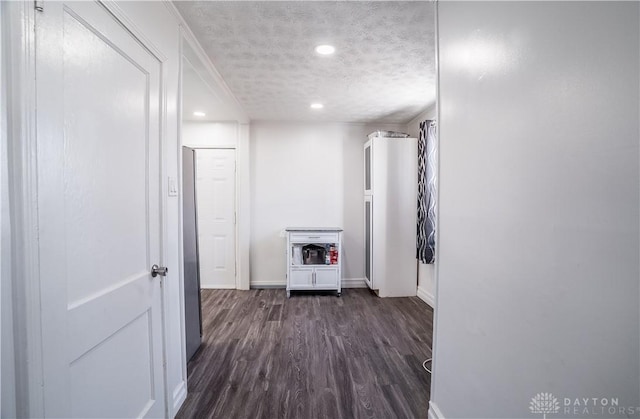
[[98, 150], [215, 202]]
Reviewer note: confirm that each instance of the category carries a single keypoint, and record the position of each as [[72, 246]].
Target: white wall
[[426, 271], [306, 175], [413, 126], [538, 277], [209, 134]]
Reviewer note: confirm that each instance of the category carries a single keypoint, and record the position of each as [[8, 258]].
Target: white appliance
[[390, 211], [192, 308]]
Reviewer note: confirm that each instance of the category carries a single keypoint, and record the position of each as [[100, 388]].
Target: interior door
[[98, 151], [215, 200]]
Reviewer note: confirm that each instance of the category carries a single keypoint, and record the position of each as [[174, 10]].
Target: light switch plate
[[173, 186]]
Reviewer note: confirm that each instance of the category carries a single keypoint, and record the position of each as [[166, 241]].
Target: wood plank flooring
[[310, 356]]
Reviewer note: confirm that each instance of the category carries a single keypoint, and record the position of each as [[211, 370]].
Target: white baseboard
[[354, 283], [217, 287], [267, 284], [426, 296], [346, 283], [434, 412], [179, 396]]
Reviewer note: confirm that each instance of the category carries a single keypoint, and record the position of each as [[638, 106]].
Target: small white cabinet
[[314, 259]]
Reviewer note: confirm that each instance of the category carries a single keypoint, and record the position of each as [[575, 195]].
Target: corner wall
[[306, 174], [538, 276]]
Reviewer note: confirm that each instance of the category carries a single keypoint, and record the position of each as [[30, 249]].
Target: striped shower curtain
[[426, 240]]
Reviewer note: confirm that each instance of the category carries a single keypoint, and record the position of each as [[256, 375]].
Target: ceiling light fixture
[[198, 113], [325, 49], [317, 106]]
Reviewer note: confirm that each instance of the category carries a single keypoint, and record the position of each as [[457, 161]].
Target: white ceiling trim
[[205, 61]]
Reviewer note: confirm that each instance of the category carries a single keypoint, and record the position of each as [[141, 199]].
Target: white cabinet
[[301, 277], [314, 259], [390, 212], [326, 278]]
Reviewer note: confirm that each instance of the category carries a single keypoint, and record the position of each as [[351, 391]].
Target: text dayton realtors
[[597, 406]]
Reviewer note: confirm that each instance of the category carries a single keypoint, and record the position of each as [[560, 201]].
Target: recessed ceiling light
[[198, 113], [317, 106], [325, 49]]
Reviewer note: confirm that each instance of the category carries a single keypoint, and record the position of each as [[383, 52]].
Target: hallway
[[310, 356]]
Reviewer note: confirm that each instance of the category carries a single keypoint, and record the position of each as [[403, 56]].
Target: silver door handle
[[159, 270]]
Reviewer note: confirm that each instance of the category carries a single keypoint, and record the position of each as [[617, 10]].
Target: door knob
[[159, 270]]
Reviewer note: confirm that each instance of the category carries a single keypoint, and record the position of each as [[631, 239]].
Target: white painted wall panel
[[106, 220], [94, 385], [538, 286]]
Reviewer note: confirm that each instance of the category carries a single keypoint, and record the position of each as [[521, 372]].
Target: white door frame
[[25, 276], [21, 137], [433, 410]]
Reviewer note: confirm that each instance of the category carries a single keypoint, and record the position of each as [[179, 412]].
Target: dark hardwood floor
[[310, 356]]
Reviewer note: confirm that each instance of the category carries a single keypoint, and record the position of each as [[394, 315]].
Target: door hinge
[[38, 5]]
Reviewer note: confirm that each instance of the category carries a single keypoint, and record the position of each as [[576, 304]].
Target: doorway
[[214, 139], [215, 212], [208, 223]]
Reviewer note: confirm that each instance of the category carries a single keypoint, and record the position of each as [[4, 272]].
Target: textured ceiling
[[383, 69]]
